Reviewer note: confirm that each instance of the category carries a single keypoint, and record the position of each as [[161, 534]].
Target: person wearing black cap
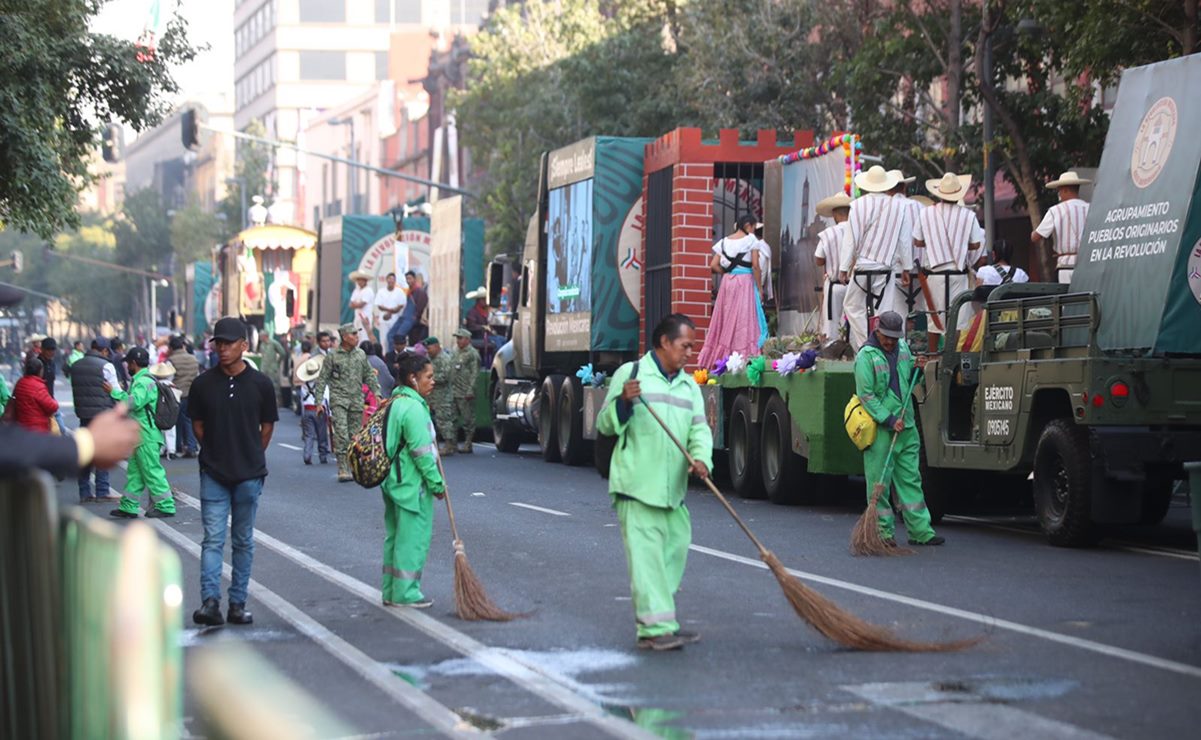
[[145, 471], [885, 373], [88, 376], [234, 410]]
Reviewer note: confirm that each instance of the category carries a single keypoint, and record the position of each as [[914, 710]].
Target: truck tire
[[548, 418], [573, 448], [1063, 484], [786, 478], [505, 434], [743, 453]]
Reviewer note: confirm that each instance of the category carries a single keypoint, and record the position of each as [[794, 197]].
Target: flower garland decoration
[[585, 374], [852, 151], [700, 376], [719, 367], [786, 365], [599, 380], [807, 360], [735, 363], [755, 368]]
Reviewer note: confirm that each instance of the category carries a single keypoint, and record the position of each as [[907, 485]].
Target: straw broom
[[821, 613], [865, 535], [471, 600]]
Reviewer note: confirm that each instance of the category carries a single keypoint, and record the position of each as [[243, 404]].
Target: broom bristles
[[844, 628], [471, 600], [865, 536]]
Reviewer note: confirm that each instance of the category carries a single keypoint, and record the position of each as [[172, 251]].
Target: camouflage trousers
[[347, 420], [444, 417], [464, 416]]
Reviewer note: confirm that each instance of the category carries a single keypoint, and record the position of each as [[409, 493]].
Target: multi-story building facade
[[157, 159], [296, 56]]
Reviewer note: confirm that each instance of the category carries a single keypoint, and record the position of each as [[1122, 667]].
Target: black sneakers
[[237, 614], [158, 514], [209, 614], [688, 637], [122, 514], [661, 642], [934, 541]]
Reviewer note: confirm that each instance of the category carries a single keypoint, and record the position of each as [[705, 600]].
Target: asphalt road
[[1076, 643]]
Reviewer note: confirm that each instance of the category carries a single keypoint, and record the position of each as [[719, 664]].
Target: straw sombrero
[[950, 187], [901, 176], [1068, 179], [358, 275], [162, 370], [480, 292], [876, 180], [827, 206], [310, 369]]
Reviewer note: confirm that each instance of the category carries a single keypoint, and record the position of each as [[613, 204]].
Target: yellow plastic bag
[[861, 427]]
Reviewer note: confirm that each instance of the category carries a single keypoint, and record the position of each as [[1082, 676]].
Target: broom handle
[[708, 482], [450, 511]]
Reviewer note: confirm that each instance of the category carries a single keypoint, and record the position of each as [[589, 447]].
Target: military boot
[[344, 470], [446, 449], [465, 448]]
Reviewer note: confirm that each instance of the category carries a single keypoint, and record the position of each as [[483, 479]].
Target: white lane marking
[[531, 507], [440, 717], [547, 684], [1005, 624], [478, 493], [1167, 552], [290, 447], [971, 715]]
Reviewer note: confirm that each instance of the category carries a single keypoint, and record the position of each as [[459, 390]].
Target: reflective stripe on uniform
[[423, 450], [648, 619], [668, 399], [406, 575], [919, 506], [699, 419]]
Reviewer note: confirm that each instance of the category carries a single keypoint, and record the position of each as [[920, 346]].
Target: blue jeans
[[85, 478], [217, 502], [185, 438]]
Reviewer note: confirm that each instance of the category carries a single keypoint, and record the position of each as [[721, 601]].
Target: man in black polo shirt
[[233, 410]]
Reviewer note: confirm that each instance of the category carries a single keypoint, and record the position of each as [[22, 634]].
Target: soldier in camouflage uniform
[[345, 371], [442, 399], [466, 369]]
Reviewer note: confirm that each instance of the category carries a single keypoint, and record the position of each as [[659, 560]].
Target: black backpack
[[602, 451], [166, 411]]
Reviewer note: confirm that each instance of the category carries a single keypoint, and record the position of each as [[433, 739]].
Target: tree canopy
[[60, 83]]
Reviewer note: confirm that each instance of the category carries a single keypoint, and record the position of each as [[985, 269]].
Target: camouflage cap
[[462, 333], [430, 341], [347, 329]]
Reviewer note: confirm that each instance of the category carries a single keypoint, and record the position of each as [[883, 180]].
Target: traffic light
[[190, 133], [112, 143], [18, 261]]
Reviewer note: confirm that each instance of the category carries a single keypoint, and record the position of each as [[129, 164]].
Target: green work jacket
[[646, 464], [142, 399], [872, 379], [410, 445]]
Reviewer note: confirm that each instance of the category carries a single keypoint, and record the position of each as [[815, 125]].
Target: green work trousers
[[406, 546], [145, 472], [656, 541], [906, 481], [347, 420], [464, 419]]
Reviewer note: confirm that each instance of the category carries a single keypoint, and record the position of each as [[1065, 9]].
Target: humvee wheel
[[936, 482], [785, 475], [1062, 484], [744, 449], [548, 418]]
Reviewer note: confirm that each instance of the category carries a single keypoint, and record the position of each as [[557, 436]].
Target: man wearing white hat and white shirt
[[1064, 221], [362, 302], [878, 242], [389, 302], [951, 236], [828, 255], [914, 300]]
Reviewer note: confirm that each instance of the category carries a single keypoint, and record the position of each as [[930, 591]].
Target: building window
[[322, 65], [381, 65], [322, 11], [398, 11]]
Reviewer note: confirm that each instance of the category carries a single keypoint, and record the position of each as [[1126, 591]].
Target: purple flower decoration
[[807, 360], [787, 364], [719, 367]]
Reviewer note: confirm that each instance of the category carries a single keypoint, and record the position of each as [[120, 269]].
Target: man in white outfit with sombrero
[[1064, 221], [912, 296], [878, 242], [951, 237], [362, 303], [828, 255]]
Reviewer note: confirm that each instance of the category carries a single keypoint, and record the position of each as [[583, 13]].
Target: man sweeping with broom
[[883, 367], [648, 475]]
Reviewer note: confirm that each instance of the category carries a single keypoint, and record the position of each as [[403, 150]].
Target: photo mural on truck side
[[617, 243]]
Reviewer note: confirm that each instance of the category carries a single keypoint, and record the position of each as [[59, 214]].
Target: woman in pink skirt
[[739, 324]]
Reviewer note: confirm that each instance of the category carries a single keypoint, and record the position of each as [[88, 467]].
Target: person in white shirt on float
[[913, 292], [362, 303], [828, 255], [951, 237], [877, 243], [1065, 222], [389, 303]]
